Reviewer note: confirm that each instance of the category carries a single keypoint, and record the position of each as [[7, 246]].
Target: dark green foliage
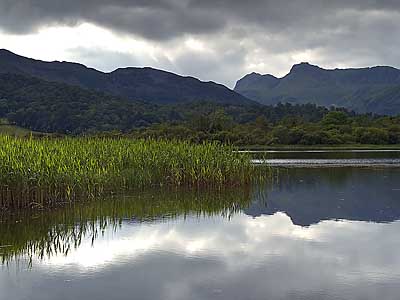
[[376, 136], [335, 118], [332, 128], [53, 107], [44, 106]]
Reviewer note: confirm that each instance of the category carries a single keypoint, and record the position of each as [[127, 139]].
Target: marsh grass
[[45, 172]]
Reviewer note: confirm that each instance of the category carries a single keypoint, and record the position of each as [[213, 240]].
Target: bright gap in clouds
[[60, 43], [102, 49], [106, 50], [214, 58]]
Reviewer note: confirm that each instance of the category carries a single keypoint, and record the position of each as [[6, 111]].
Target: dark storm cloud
[[170, 18], [165, 19], [157, 20]]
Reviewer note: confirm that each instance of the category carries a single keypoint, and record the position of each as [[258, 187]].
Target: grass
[[14, 130], [6, 128], [45, 172]]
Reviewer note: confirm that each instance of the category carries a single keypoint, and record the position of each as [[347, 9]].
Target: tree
[[335, 118]]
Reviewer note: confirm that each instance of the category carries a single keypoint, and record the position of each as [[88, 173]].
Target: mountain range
[[364, 90], [375, 89], [146, 84]]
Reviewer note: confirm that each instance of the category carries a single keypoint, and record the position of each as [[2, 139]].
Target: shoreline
[[348, 147]]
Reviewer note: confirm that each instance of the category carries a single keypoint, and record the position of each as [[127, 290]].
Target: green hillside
[[372, 90], [146, 84]]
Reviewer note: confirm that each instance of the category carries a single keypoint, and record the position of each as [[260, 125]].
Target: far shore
[[321, 147]]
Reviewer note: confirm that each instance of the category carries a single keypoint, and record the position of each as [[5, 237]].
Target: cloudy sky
[[217, 40]]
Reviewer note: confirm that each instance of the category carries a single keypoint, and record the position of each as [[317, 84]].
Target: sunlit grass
[[43, 172]]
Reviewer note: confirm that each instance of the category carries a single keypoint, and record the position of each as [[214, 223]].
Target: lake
[[322, 228], [327, 158]]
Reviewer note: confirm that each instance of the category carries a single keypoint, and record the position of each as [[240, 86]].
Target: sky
[[217, 40]]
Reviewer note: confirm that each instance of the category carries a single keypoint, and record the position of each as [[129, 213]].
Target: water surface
[[314, 233], [327, 158]]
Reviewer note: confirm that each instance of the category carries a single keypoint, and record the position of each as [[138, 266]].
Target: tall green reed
[[45, 172]]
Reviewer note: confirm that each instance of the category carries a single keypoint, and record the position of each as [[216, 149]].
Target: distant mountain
[[375, 89], [146, 84]]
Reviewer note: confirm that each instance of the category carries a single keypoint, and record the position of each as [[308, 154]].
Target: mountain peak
[[7, 53], [3, 51], [304, 66], [353, 88]]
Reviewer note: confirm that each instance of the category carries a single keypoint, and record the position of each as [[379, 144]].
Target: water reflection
[[312, 235], [45, 234], [309, 196]]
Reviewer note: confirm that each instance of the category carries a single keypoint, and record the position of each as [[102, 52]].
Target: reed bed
[[45, 172]]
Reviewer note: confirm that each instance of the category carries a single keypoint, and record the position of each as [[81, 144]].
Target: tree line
[[58, 108]]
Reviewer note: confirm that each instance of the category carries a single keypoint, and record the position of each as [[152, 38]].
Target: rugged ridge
[[145, 84], [374, 89]]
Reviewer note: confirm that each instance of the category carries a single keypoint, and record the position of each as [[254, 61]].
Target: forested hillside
[[52, 107], [146, 84]]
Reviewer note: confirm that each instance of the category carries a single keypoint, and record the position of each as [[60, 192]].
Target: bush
[[372, 136]]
